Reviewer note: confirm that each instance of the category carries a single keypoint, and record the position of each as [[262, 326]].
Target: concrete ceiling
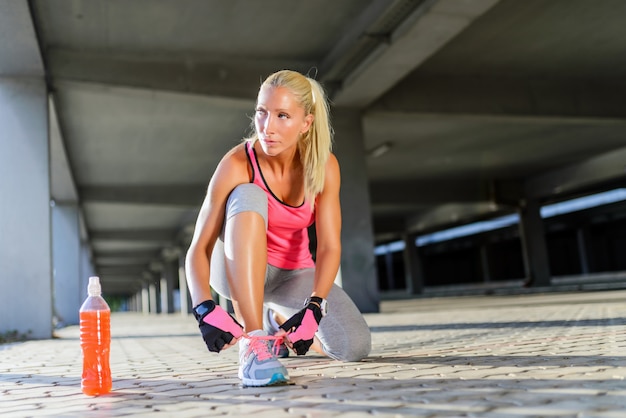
[[483, 103]]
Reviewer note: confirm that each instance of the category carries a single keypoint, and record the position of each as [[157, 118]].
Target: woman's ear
[[308, 121]]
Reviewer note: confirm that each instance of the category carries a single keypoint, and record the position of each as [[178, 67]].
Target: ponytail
[[316, 144]]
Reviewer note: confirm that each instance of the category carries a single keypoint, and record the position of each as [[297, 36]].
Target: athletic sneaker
[[271, 326], [283, 351], [258, 365]]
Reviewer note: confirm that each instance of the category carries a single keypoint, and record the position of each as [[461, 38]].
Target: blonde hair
[[315, 145]]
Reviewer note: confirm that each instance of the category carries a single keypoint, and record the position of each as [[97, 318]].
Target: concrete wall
[[25, 220], [66, 250]]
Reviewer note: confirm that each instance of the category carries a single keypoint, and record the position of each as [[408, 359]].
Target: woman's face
[[279, 120]]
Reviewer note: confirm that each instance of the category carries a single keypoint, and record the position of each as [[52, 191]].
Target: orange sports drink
[[95, 341]]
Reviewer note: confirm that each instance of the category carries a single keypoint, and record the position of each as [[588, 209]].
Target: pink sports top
[[287, 236]]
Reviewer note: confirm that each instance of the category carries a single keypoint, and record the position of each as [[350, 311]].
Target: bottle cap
[[94, 289]]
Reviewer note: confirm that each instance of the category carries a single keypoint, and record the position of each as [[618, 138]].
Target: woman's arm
[[328, 230], [230, 172]]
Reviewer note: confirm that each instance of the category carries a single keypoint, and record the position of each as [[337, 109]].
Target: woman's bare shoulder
[[234, 164], [332, 165], [236, 155]]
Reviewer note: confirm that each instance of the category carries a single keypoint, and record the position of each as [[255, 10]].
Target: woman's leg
[[343, 333], [240, 255], [245, 249], [238, 266]]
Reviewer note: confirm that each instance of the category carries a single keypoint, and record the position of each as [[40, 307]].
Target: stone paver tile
[[485, 357]]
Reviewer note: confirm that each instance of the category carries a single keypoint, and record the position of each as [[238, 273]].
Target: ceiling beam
[[352, 45], [121, 273], [507, 96], [595, 174], [152, 235], [126, 254], [378, 115], [122, 261], [220, 76], [188, 195], [609, 168], [449, 215], [425, 31], [429, 192], [423, 194]]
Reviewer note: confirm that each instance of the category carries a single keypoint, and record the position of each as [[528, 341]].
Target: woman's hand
[[219, 329], [300, 329]]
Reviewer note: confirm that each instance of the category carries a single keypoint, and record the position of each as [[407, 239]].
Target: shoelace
[[259, 346]]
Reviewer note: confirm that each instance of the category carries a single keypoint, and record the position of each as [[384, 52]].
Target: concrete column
[[534, 244], [413, 266], [169, 276], [145, 299], [152, 291], [358, 264], [390, 272], [25, 215], [163, 293], [136, 305], [131, 303], [484, 263], [66, 254], [581, 238], [185, 302]]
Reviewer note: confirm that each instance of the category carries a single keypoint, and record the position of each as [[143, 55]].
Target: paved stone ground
[[539, 355]]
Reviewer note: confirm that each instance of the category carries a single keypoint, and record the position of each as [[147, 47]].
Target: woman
[[251, 239]]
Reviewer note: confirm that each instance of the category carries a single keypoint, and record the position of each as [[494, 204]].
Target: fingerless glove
[[218, 328], [303, 325]]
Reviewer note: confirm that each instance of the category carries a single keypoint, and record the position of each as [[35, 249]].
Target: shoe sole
[[276, 379]]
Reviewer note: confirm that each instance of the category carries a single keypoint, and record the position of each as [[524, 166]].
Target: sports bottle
[[95, 341]]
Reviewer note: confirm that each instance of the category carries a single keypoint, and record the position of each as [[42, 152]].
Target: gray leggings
[[343, 332]]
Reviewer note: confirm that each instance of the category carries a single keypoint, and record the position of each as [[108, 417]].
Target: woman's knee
[[354, 347], [247, 197], [359, 349]]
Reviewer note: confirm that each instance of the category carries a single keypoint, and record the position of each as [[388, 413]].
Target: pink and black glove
[[303, 325], [218, 327]]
